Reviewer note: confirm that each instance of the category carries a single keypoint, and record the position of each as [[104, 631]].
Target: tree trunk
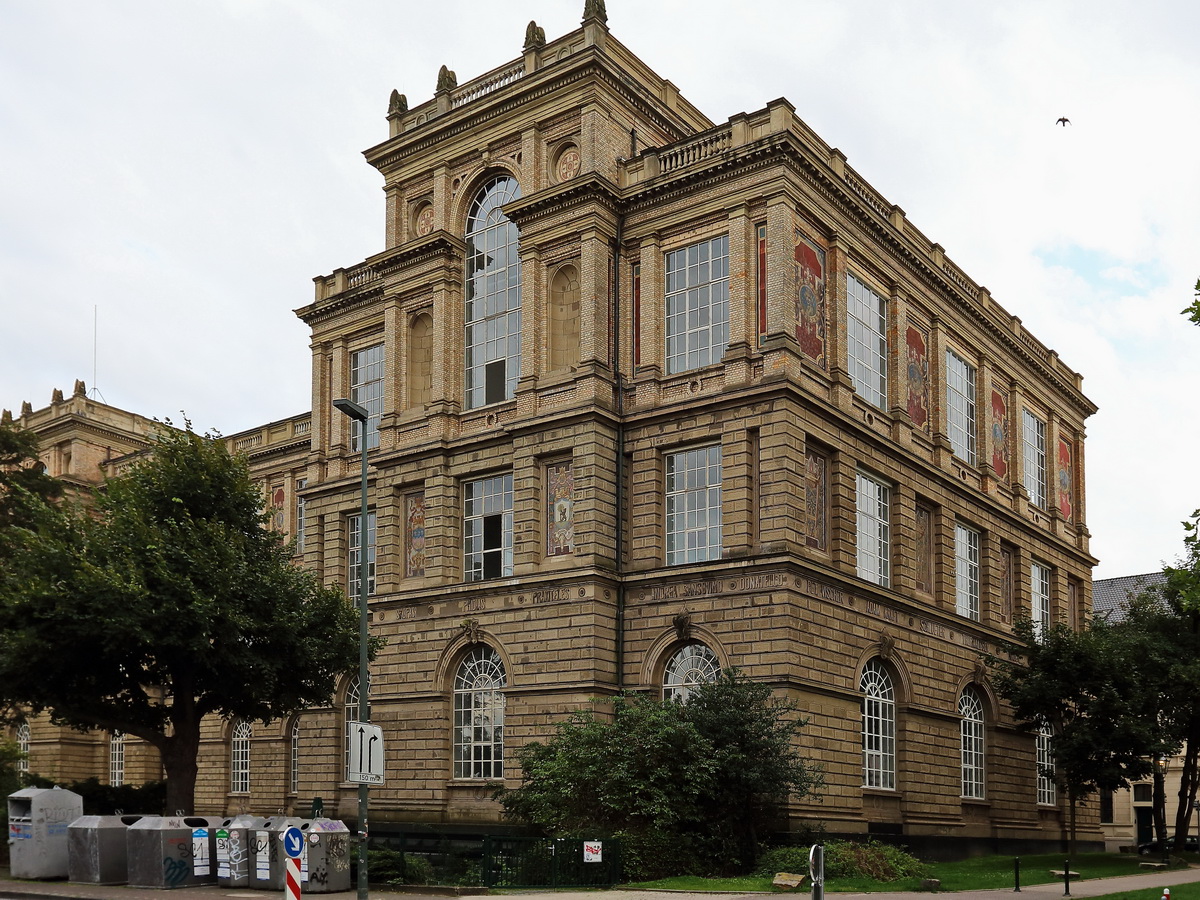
[[1160, 804], [1189, 781], [1071, 830], [179, 754]]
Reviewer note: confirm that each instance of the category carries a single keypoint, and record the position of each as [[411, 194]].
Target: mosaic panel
[[816, 495], [924, 548], [1066, 493], [414, 535], [998, 434], [560, 509], [810, 300], [916, 344]]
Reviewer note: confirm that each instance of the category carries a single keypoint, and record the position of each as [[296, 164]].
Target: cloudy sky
[[172, 176]]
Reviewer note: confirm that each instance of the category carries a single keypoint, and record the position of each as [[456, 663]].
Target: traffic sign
[[366, 753], [293, 842]]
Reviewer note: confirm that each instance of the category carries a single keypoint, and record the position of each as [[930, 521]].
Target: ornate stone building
[[650, 396]]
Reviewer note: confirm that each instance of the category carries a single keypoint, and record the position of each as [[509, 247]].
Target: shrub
[[393, 867], [846, 859]]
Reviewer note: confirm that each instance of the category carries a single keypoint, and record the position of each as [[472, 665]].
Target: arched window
[[294, 757], [23, 746], [1047, 795], [493, 296], [970, 710], [116, 759], [351, 710], [479, 715], [878, 727], [690, 667], [239, 757]]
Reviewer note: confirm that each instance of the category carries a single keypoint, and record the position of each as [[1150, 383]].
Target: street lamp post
[[359, 413]]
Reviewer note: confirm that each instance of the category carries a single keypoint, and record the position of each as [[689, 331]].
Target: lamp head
[[353, 410]]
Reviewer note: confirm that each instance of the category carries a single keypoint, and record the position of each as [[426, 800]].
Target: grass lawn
[[982, 872]]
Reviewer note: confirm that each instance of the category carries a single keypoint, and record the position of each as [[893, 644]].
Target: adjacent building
[[650, 396]]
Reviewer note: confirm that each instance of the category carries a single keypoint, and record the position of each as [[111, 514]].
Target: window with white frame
[[239, 757], [116, 759], [1047, 794], [1039, 597], [689, 667], [693, 505], [366, 389], [1033, 440], [354, 544], [479, 715], [970, 711], [697, 304], [866, 342], [23, 747], [960, 406], [874, 530], [492, 315], [350, 713], [488, 528], [878, 727], [966, 571], [301, 484], [294, 757]]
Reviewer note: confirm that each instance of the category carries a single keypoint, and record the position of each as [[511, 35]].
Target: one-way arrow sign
[[366, 753]]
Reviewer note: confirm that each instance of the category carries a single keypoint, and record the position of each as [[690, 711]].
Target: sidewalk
[[1151, 883]]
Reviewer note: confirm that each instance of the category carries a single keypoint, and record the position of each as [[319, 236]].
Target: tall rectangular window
[[354, 543], [874, 530], [116, 759], [866, 341], [966, 571], [960, 406], [1046, 793], [1039, 597], [301, 484], [488, 528], [697, 300], [1033, 439], [366, 389], [694, 505]]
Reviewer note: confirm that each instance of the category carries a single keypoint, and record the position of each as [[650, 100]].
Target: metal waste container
[[327, 846], [277, 858], [98, 849], [171, 851], [37, 831], [235, 849]]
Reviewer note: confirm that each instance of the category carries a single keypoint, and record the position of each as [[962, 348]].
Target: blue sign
[[293, 842]]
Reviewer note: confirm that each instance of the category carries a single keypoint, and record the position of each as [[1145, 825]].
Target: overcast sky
[[179, 171]]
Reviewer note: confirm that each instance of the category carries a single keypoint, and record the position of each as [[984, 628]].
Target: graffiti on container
[[175, 871], [318, 875]]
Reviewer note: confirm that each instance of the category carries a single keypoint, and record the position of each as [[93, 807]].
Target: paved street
[[1151, 883]]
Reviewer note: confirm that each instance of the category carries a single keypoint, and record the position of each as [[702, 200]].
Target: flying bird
[[1063, 121]]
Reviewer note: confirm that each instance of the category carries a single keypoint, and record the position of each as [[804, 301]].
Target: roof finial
[[397, 104], [447, 80], [80, 388], [594, 9], [535, 36]]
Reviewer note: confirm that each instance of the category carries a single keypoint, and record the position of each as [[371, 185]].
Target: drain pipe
[[621, 500]]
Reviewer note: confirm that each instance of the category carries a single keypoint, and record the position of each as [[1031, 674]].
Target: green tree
[[1090, 687], [1170, 616], [166, 601], [688, 786], [1193, 311], [23, 481]]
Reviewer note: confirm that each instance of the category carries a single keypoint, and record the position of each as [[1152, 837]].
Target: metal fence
[[545, 863]]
